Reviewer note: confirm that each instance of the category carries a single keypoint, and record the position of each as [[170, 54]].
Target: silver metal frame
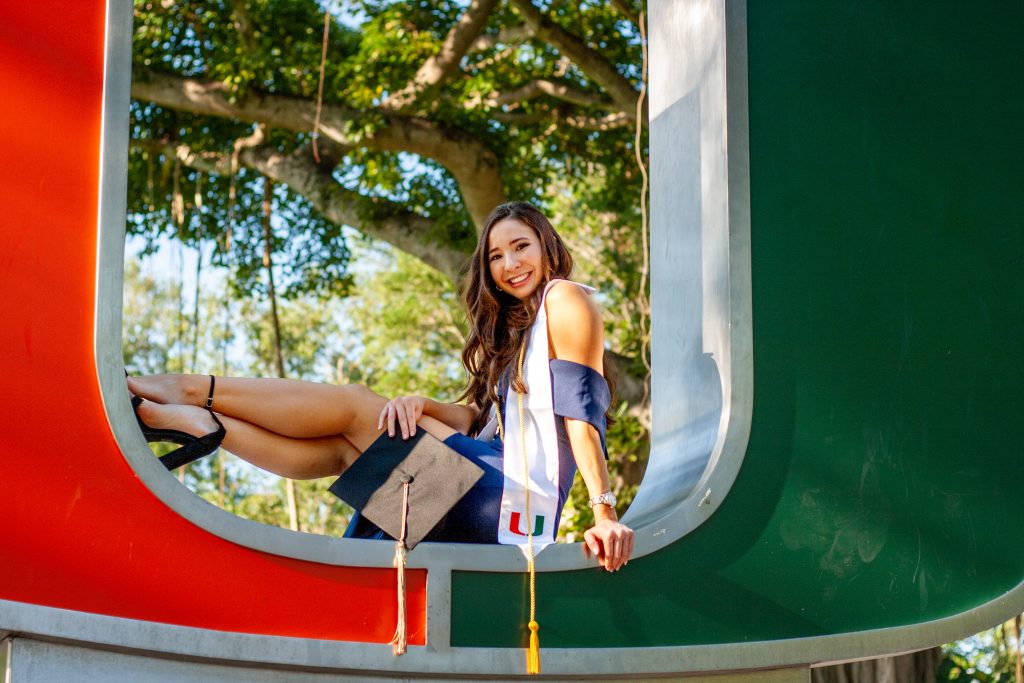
[[668, 505], [698, 107], [164, 640], [5, 659]]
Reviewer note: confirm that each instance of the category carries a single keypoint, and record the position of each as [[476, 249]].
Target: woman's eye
[[495, 257]]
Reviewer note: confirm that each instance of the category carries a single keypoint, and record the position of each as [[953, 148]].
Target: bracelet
[[606, 498]]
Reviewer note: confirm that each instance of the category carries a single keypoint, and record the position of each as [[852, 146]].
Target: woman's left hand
[[403, 410], [611, 542]]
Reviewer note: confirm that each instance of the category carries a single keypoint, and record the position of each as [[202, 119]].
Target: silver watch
[[606, 498]]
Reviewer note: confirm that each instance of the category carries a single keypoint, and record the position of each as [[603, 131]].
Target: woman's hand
[[610, 541], [403, 410]]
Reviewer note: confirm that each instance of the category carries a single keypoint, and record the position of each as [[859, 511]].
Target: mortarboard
[[406, 487], [437, 477]]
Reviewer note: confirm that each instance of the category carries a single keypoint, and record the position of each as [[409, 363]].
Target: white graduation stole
[[541, 447]]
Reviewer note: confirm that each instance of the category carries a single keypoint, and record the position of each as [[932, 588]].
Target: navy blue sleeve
[[581, 393]]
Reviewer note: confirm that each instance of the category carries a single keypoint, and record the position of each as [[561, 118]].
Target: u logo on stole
[[514, 525]]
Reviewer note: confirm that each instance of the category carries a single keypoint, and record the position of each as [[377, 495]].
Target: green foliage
[[276, 50], [607, 249], [411, 328], [240, 489], [401, 328], [988, 657], [234, 338], [310, 331], [149, 335], [628, 447]]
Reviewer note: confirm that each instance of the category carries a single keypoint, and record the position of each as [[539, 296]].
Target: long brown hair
[[499, 322]]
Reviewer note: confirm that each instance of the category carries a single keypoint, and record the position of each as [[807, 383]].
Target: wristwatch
[[606, 498]]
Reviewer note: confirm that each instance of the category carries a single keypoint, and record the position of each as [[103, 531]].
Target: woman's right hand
[[403, 410], [610, 541]]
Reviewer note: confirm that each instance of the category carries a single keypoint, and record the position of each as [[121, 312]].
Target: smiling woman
[[304, 430], [427, 115]]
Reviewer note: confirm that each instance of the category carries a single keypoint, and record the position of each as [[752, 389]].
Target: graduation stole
[[535, 440], [529, 499]]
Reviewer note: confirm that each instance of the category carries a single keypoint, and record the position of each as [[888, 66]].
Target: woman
[[304, 430]]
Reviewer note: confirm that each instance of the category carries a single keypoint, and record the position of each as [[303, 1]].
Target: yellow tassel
[[533, 654], [398, 642]]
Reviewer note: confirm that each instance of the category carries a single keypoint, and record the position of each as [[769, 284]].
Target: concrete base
[[25, 660], [801, 675], [5, 659]]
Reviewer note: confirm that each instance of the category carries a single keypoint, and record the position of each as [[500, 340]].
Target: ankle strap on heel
[[209, 398]]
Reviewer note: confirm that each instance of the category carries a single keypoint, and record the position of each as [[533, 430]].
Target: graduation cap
[[406, 487], [433, 476]]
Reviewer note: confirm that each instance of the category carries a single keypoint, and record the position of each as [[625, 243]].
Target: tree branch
[[543, 86], [512, 34], [446, 61], [628, 388], [522, 119], [590, 61], [608, 122], [473, 165], [375, 217], [244, 24], [627, 8], [566, 115]]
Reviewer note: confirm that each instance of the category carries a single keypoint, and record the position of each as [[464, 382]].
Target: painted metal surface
[[873, 504], [45, 662], [881, 485], [80, 531], [702, 389]]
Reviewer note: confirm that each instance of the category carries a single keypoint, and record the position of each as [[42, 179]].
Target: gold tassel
[[533, 654], [399, 641]]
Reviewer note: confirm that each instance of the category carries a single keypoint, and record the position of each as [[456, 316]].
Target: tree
[[431, 114], [154, 342], [992, 656], [916, 667]]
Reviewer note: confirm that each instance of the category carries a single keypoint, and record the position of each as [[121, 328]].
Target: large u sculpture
[[837, 254]]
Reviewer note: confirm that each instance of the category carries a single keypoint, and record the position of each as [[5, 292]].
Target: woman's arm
[[405, 411], [456, 415], [575, 333]]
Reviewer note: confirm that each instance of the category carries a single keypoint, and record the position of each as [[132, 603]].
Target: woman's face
[[515, 257]]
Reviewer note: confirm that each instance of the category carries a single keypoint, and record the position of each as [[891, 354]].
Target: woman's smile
[[519, 280]]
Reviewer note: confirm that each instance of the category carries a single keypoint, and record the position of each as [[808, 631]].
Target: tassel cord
[[400, 639], [533, 652]]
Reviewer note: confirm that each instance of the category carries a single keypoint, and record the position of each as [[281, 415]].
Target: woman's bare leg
[[326, 456], [300, 430], [303, 410], [282, 455]]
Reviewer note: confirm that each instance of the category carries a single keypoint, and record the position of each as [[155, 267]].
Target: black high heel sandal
[[192, 447]]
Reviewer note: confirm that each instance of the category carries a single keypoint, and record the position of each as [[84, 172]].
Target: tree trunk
[[1017, 646], [268, 193], [195, 310], [916, 667]]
